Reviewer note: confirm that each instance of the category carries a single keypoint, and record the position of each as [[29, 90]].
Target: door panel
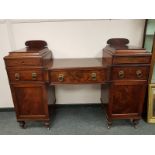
[[127, 99], [30, 100]]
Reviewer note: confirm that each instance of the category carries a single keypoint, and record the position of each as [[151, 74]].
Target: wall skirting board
[[67, 106]]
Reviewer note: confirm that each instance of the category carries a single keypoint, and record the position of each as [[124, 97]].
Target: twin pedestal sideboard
[[33, 74]]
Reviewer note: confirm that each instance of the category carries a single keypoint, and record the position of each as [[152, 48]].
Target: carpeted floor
[[74, 120]]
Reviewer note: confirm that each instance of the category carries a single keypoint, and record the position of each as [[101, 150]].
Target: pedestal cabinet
[[27, 71], [129, 70]]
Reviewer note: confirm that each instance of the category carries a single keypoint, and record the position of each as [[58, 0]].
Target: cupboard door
[[30, 101], [127, 99]]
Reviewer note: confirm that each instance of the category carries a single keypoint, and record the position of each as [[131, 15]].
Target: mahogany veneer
[[78, 71], [32, 74], [28, 77], [129, 70]]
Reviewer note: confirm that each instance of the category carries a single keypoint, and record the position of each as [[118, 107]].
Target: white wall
[[67, 39], [5, 94]]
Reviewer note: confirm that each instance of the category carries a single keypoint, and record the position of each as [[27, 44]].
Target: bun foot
[[22, 124], [109, 124], [47, 125], [135, 123]]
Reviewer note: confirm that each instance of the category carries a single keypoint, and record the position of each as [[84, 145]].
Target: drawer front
[[78, 76], [130, 73], [131, 60], [25, 75], [23, 62]]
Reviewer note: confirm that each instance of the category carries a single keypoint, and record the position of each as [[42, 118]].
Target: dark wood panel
[[127, 99], [78, 76], [131, 60], [130, 73], [23, 62], [25, 75], [30, 100]]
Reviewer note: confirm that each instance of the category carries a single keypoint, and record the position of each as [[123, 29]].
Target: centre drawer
[[70, 76], [130, 73], [25, 75]]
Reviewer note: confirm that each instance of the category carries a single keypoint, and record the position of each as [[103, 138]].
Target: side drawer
[[23, 62], [25, 75], [79, 76], [131, 60], [130, 73]]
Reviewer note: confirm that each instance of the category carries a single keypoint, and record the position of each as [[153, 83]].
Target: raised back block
[[38, 44]]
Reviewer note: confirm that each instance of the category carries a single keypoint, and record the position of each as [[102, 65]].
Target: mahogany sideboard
[[33, 73]]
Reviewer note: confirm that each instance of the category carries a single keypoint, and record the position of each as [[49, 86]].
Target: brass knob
[[121, 74], [139, 73], [34, 76], [61, 77], [17, 76], [93, 76]]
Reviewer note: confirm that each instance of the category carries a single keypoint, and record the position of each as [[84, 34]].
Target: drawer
[[25, 75], [23, 62], [131, 60], [130, 73], [79, 76]]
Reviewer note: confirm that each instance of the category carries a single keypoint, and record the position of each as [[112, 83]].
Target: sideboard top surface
[[77, 63]]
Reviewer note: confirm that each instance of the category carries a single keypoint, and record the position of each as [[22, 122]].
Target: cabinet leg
[[109, 123], [47, 124], [22, 124], [135, 122]]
